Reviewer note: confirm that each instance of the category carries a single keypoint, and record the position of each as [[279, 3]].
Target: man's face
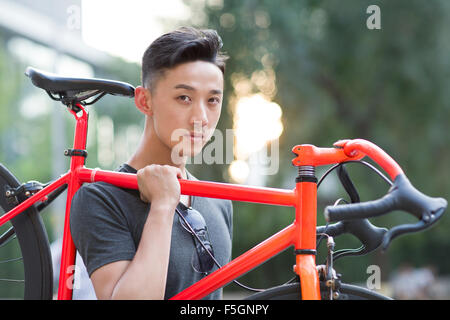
[[186, 105]]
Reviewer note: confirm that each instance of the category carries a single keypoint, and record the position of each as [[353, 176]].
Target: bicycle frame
[[303, 198]]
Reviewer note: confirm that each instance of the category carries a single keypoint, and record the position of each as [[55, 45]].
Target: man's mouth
[[195, 136]]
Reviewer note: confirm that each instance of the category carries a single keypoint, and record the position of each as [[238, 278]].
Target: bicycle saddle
[[76, 89]]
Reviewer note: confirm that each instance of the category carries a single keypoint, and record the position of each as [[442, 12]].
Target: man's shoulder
[[99, 197], [102, 189]]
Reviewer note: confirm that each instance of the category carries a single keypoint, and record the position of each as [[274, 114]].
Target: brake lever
[[410, 228], [428, 210], [369, 235]]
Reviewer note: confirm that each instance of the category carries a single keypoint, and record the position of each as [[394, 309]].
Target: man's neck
[[152, 151]]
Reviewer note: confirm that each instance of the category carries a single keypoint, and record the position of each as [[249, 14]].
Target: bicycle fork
[[306, 221]]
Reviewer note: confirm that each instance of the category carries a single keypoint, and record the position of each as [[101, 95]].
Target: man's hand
[[159, 185]]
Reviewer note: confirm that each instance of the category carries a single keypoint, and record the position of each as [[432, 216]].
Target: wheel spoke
[[6, 237], [24, 237], [13, 280], [11, 260]]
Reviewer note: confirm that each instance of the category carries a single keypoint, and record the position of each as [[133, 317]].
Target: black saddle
[[77, 90]]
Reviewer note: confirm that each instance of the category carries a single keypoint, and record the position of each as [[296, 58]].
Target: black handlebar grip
[[401, 196], [359, 210], [411, 200], [332, 230], [370, 236]]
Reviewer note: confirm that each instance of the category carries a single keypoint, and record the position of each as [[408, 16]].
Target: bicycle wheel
[[292, 291], [26, 270]]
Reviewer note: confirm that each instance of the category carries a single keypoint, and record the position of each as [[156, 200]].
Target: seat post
[[67, 270]]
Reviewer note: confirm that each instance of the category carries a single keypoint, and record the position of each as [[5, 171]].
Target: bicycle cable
[[343, 252], [341, 199], [210, 254], [322, 235], [326, 226], [389, 182], [338, 253]]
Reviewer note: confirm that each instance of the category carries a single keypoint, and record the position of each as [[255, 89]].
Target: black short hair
[[185, 44]]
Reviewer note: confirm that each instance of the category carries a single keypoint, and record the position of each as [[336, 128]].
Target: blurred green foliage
[[337, 79]]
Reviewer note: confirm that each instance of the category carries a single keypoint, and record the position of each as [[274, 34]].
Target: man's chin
[[181, 155], [192, 152]]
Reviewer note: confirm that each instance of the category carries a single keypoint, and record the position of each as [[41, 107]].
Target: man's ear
[[142, 99]]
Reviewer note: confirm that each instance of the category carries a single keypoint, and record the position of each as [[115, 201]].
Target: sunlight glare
[[257, 121], [126, 28]]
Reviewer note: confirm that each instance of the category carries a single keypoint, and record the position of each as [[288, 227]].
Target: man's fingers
[[176, 170]]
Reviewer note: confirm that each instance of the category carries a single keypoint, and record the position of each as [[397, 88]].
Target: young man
[[132, 243]]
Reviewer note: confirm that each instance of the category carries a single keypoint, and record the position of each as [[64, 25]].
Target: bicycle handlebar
[[370, 236], [401, 196], [356, 146]]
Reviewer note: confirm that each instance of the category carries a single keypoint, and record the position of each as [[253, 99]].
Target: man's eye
[[214, 100], [184, 98]]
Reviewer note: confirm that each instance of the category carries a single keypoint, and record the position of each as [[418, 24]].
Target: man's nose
[[199, 114]]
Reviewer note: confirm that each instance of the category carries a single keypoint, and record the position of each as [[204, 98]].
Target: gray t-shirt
[[107, 222]]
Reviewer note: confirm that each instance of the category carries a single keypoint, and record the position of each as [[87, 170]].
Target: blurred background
[[300, 72]]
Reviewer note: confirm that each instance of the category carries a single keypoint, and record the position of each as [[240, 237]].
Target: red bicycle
[[21, 204]]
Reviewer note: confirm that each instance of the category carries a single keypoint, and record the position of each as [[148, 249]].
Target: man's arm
[[145, 276]]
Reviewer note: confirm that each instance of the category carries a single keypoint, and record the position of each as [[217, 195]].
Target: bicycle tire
[[292, 291], [33, 242]]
